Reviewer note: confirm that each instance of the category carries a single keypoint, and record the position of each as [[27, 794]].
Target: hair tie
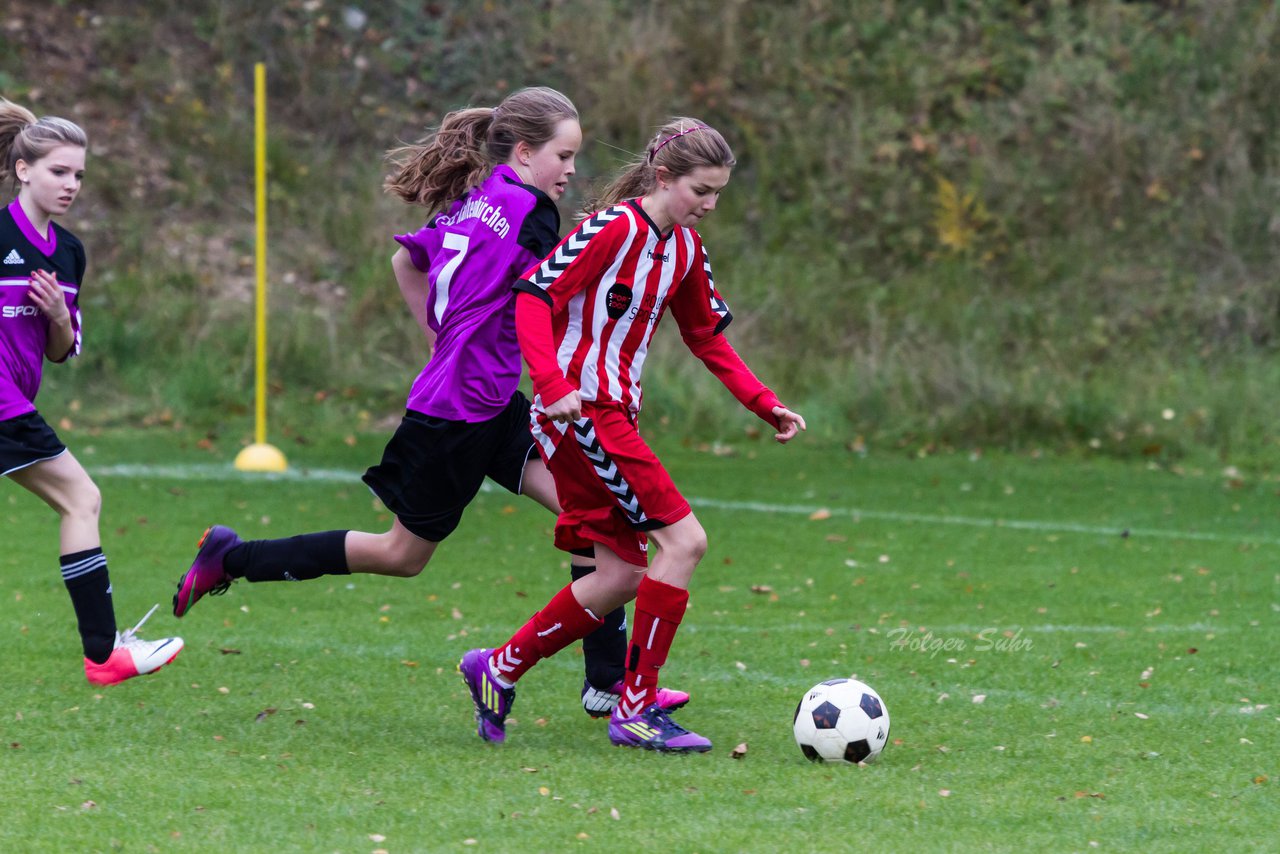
[[653, 152]]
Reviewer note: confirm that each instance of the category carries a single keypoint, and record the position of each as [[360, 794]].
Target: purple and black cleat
[[206, 575]]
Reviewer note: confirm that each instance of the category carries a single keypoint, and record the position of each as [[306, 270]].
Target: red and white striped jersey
[[608, 285]]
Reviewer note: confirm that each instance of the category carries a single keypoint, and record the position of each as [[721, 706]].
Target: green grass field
[[1075, 655]]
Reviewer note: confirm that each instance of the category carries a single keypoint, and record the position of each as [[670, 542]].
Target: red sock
[[659, 609], [560, 622]]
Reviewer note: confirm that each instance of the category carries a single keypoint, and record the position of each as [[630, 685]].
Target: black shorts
[[27, 440], [432, 468]]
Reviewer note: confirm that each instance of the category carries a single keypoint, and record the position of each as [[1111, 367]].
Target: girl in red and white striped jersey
[[585, 317]]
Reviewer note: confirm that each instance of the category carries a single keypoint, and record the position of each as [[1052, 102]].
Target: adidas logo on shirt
[[13, 257]]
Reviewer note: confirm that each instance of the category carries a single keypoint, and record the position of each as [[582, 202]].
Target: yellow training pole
[[260, 456]]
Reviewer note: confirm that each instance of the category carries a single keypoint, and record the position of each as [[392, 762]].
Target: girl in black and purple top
[[41, 271]]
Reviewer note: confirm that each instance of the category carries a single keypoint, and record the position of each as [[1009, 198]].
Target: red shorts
[[611, 487]]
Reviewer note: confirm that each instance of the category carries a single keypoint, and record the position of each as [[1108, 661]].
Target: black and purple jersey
[[24, 330], [472, 254]]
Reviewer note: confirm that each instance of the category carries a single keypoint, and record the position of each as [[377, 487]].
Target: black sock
[[85, 574], [299, 558], [605, 649]]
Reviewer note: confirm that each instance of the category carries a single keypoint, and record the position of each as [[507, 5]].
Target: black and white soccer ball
[[841, 720]]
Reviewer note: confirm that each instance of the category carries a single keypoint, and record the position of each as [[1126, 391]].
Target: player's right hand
[[566, 410], [46, 293]]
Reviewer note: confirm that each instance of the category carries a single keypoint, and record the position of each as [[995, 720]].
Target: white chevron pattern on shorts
[[585, 432]]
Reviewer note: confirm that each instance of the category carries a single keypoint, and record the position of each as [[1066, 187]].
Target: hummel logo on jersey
[[13, 258]]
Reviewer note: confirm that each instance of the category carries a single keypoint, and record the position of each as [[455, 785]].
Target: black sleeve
[[82, 263], [540, 231], [524, 286]]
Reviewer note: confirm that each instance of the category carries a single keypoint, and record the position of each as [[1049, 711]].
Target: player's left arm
[[703, 316], [48, 296], [721, 359]]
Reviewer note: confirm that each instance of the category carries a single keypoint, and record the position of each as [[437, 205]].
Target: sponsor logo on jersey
[[617, 300], [13, 258], [19, 311], [664, 257], [648, 309]]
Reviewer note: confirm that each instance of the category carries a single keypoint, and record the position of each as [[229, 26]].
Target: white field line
[[220, 471], [857, 514], [226, 472]]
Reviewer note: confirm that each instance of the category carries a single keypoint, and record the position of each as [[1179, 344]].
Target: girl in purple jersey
[[41, 270], [489, 178]]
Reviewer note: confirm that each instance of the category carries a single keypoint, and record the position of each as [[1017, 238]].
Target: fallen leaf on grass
[[761, 588], [229, 651], [614, 814], [1099, 795], [739, 751], [820, 515], [263, 715]]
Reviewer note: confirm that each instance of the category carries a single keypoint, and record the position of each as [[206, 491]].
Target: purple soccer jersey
[[472, 255], [24, 331]]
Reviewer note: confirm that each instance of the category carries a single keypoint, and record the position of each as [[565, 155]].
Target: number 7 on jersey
[[457, 243]]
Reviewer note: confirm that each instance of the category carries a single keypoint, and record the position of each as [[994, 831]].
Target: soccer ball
[[841, 720]]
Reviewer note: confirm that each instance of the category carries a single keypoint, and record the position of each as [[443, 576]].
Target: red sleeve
[[722, 360], [537, 345], [702, 316]]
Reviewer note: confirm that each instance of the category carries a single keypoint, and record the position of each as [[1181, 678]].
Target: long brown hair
[[680, 146], [457, 156], [24, 137]]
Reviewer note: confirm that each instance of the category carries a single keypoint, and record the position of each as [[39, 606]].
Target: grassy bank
[[953, 223]]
